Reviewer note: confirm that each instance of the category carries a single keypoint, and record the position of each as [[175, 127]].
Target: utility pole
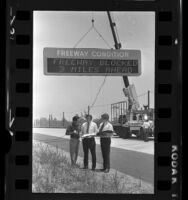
[[117, 45], [148, 99], [50, 121], [88, 110], [63, 119]]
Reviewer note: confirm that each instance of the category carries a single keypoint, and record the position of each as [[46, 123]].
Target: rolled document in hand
[[107, 133], [88, 135]]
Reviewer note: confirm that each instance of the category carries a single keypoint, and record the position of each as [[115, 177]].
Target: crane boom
[[117, 45]]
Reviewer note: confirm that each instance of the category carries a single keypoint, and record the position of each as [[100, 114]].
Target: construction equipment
[[130, 123], [126, 117]]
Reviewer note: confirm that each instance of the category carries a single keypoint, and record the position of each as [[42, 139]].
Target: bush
[[52, 172]]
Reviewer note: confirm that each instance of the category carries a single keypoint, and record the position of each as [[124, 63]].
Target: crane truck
[[128, 120]]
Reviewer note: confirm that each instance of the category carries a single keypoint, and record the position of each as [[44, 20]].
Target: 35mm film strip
[[19, 86]]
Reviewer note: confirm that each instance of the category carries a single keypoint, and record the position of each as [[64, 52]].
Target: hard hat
[[145, 117]]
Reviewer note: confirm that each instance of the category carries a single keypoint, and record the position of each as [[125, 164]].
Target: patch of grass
[[52, 172]]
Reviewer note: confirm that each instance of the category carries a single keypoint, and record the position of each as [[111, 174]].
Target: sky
[[73, 94]]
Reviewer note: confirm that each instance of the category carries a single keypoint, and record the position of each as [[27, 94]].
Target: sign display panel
[[91, 62]]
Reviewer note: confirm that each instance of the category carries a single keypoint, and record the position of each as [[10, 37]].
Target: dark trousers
[[105, 148], [89, 144], [146, 133]]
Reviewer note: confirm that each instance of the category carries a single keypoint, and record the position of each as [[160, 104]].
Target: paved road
[[128, 144], [134, 163]]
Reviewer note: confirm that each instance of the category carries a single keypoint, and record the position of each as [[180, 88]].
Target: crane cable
[[104, 80], [105, 41], [100, 88], [102, 38], [82, 37], [94, 28]]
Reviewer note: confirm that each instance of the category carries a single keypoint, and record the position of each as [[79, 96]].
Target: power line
[[102, 105], [80, 110], [96, 97], [143, 94]]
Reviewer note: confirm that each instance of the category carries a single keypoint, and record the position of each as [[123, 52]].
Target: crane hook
[[92, 22]]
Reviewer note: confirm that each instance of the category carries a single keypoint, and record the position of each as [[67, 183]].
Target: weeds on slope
[[53, 173]]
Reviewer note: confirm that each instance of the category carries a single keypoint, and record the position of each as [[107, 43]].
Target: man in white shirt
[[105, 132], [146, 125], [151, 125], [88, 130]]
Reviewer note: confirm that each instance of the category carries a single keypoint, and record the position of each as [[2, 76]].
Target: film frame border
[[167, 39]]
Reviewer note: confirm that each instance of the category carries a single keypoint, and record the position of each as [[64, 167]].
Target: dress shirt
[[93, 129], [146, 125], [107, 127]]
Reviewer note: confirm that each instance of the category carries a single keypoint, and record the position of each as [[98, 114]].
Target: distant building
[[50, 123]]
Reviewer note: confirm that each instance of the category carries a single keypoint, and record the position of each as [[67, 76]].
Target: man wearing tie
[[105, 133], [88, 130]]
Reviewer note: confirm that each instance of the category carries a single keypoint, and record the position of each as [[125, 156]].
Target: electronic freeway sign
[[91, 62]]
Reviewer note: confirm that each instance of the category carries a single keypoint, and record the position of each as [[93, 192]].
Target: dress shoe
[[85, 168], [77, 165], [102, 170], [106, 170]]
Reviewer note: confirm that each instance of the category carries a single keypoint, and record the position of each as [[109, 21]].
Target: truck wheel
[[117, 129], [121, 133], [141, 134], [126, 133]]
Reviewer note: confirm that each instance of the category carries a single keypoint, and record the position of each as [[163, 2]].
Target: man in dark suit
[[89, 129]]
